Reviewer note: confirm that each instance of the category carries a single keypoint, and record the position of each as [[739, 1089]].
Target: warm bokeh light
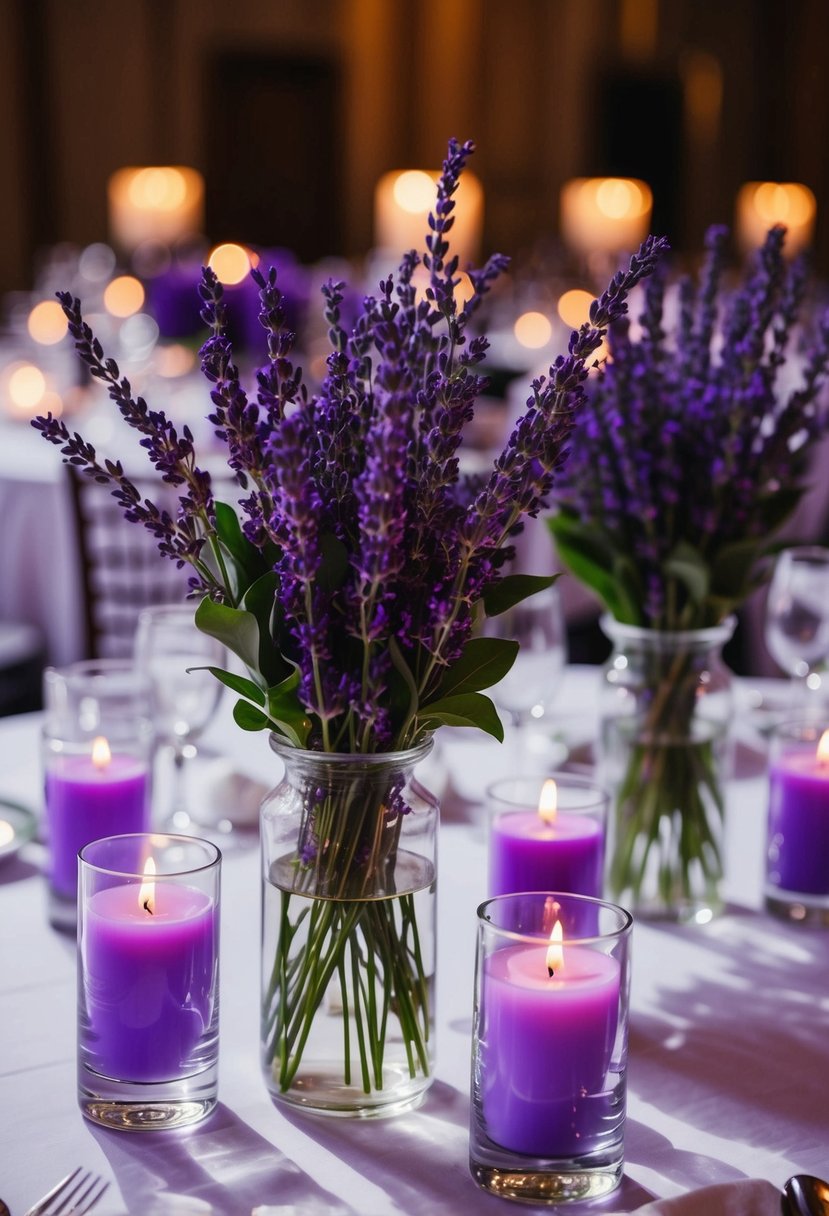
[[163, 203], [779, 203], [47, 324], [403, 199], [617, 198], [124, 296], [574, 307], [157, 188], [533, 330], [414, 191], [6, 833], [761, 205], [230, 263], [463, 290], [174, 360], [26, 388], [605, 215]]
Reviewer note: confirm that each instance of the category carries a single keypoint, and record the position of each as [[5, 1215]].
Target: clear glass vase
[[665, 754], [348, 932]]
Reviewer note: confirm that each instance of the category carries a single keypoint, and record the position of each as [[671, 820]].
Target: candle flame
[[414, 191], [101, 754], [146, 892], [555, 950], [548, 801], [823, 748]]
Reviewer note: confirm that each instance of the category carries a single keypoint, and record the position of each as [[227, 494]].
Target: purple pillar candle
[[545, 1048], [90, 795], [549, 849], [798, 821], [150, 960]]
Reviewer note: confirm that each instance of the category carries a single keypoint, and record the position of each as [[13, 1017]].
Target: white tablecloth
[[729, 1067]]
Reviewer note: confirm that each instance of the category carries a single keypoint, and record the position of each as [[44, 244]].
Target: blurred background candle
[[548, 1058], [761, 205], [605, 215], [97, 762], [90, 792], [402, 201], [798, 819], [148, 971], [162, 203], [547, 835]]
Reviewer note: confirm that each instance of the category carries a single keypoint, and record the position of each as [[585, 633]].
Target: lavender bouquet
[[686, 458], [350, 582]]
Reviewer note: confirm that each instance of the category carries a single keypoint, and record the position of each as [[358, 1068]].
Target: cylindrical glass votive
[[549, 1048], [547, 834], [97, 765], [148, 969], [797, 854]]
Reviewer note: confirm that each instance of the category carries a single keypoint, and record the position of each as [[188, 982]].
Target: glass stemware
[[797, 619], [525, 694], [172, 653]]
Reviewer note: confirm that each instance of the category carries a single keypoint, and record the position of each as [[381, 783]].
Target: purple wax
[[85, 802], [173, 301], [798, 826], [526, 853], [545, 1047], [149, 981]]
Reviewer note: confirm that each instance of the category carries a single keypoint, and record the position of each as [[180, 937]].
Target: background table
[[729, 1065]]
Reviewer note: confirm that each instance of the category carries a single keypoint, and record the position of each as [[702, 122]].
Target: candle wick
[[550, 972], [147, 905]]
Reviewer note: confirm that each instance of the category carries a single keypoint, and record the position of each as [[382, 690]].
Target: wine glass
[[527, 691], [797, 618], [173, 653]]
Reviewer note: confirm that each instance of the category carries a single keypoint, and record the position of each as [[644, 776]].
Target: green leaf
[[260, 599], [245, 687], [286, 711], [235, 628], [229, 532], [588, 555], [733, 568], [248, 563], [689, 567], [514, 588], [249, 717], [484, 662], [466, 709]]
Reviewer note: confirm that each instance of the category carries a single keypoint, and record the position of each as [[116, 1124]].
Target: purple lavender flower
[[687, 456], [353, 577]]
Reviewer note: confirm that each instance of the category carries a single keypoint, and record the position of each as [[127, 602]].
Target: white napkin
[[220, 791], [749, 1197]]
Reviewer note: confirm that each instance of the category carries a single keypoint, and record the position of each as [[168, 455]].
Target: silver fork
[[74, 1195]]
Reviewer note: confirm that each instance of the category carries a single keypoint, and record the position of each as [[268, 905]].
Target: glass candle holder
[[148, 969], [797, 851], [547, 834], [96, 697], [97, 745], [549, 1047]]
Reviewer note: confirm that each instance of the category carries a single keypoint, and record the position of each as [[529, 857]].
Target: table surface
[[729, 1064]]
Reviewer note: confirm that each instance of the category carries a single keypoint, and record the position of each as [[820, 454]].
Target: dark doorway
[[273, 174]]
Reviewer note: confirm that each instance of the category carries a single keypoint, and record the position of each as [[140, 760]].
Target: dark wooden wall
[[294, 109]]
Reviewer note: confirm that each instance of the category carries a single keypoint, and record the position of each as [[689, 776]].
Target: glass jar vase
[[665, 754], [348, 932]]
